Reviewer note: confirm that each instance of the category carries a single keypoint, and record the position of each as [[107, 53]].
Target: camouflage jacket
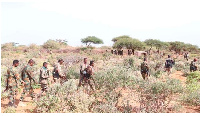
[[13, 76], [193, 64], [28, 73], [58, 70], [83, 67], [144, 67], [44, 73]]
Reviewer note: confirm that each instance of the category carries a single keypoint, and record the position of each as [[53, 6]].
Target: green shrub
[[193, 77], [73, 73], [155, 96], [51, 44], [10, 110], [192, 94], [84, 48]]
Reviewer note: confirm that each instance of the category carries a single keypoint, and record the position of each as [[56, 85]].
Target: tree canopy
[[128, 42], [51, 44], [156, 43], [91, 40], [120, 37]]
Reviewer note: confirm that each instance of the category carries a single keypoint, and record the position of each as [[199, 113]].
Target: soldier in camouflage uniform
[[83, 68], [58, 72], [145, 69], [44, 77], [27, 77], [193, 65], [12, 82]]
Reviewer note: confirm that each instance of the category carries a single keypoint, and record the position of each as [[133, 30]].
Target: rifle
[[6, 85]]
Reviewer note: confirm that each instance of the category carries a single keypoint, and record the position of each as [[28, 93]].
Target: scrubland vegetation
[[119, 86]]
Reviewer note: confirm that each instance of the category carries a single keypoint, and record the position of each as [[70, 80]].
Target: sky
[[36, 22]]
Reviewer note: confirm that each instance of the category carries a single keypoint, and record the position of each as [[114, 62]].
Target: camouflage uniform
[[58, 72], [193, 66], [44, 76], [12, 82], [144, 69], [83, 68], [27, 77]]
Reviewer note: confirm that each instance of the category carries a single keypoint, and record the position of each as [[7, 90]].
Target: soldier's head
[[45, 64], [15, 63], [85, 60], [61, 61], [169, 56], [31, 62], [195, 59], [92, 63]]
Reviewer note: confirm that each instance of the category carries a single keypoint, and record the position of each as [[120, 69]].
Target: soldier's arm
[[81, 68], [17, 75], [90, 70]]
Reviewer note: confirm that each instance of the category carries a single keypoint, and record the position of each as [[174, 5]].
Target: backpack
[[144, 68], [192, 66], [87, 73], [168, 63]]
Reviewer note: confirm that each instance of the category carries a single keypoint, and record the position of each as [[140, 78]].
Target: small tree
[[128, 43], [8, 46], [120, 37], [91, 40], [51, 44], [156, 43], [62, 41], [177, 46], [190, 47]]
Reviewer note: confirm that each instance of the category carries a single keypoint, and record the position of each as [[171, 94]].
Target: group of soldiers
[[26, 77], [15, 77], [117, 52], [168, 65]]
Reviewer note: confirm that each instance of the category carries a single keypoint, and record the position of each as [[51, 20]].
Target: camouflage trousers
[[44, 85], [13, 91], [27, 89]]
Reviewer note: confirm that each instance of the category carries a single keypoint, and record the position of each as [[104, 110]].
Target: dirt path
[[185, 109], [180, 76], [27, 109]]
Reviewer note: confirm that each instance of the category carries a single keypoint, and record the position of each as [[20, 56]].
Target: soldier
[[12, 82], [82, 70], [187, 56], [145, 69], [129, 52], [44, 77], [27, 77], [111, 51], [115, 52], [90, 74], [168, 64], [193, 66], [50, 52], [58, 72]]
